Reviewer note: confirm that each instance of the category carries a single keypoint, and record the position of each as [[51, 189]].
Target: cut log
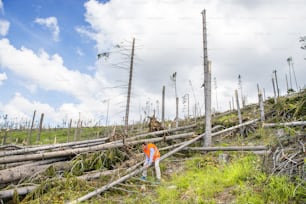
[[72, 152], [137, 171], [295, 123]]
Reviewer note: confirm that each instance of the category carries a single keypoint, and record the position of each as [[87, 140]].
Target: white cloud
[[4, 27], [3, 77], [47, 72], [241, 40], [51, 24], [41, 71]]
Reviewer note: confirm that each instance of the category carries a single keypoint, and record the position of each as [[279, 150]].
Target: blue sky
[[48, 55]]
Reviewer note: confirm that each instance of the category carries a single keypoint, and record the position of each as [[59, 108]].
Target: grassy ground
[[201, 178]]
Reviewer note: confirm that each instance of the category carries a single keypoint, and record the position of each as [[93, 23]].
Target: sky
[[49, 63]]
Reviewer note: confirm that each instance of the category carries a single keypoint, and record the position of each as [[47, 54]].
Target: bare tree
[[129, 93], [240, 87], [207, 85], [276, 82], [31, 128], [289, 60], [173, 78]]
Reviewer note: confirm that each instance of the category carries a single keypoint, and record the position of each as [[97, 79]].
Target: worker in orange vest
[[152, 155]]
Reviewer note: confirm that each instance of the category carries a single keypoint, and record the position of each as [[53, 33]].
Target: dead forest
[[27, 173]]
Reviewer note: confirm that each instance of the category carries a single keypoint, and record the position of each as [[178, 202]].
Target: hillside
[[257, 162]]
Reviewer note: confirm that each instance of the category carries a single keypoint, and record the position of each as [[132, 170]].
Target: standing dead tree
[[31, 128], [207, 85], [129, 93]]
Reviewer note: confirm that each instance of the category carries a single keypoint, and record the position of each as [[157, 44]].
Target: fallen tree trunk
[[24, 171], [72, 152], [96, 175], [48, 147], [20, 191], [108, 186], [10, 165], [161, 132], [10, 146], [6, 194], [232, 148], [295, 123]]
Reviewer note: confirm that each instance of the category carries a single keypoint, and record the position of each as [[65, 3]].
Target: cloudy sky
[[49, 63]]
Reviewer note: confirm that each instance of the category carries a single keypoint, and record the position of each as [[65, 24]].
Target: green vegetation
[[204, 179]]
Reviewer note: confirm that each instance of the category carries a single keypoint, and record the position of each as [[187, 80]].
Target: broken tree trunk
[[295, 123], [231, 148], [72, 152], [110, 185]]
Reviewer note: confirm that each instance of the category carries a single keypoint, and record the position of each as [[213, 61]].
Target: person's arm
[[151, 155]]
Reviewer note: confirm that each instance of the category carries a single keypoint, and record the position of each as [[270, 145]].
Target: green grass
[[206, 180]]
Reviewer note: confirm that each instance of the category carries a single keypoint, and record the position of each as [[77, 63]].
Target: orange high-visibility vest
[[147, 151]]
